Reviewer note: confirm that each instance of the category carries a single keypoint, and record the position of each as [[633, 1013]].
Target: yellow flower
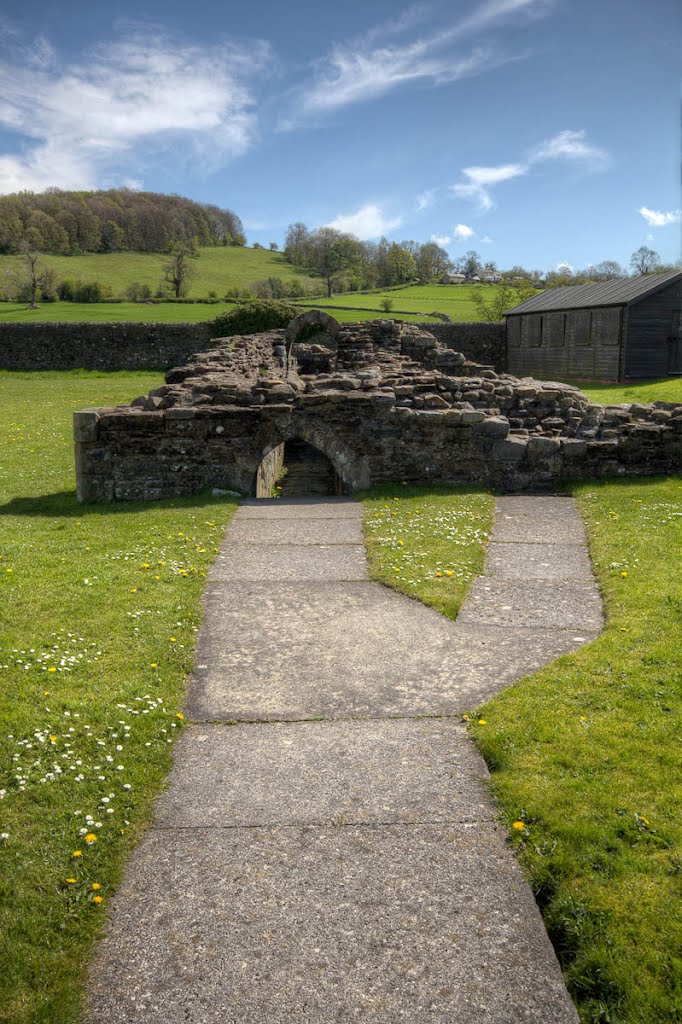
[[179, 715], [153, 665], [173, 640], [623, 574], [53, 739], [95, 886], [448, 572], [52, 669], [519, 825], [70, 881], [90, 838], [482, 721], [145, 565], [96, 899], [77, 853]]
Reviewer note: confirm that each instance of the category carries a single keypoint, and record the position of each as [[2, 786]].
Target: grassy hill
[[217, 269]]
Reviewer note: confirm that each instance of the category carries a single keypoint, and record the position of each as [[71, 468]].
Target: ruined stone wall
[[396, 405], [481, 342]]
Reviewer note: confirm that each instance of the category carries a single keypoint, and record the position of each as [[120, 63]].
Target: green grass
[[586, 752], [99, 611], [106, 312], [217, 269], [427, 542], [669, 389], [455, 300]]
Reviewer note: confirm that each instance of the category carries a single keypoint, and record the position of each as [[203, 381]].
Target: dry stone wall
[[387, 402], [154, 346]]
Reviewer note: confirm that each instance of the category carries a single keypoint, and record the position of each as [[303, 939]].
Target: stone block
[[85, 425], [493, 426], [543, 447], [512, 449], [471, 416]]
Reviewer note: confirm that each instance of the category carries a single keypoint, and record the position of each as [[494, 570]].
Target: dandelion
[[153, 665], [482, 721], [519, 826], [77, 853], [96, 899], [70, 881], [90, 838], [95, 886], [173, 639], [180, 715]]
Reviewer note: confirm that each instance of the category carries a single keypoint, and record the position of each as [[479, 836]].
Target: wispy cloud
[[361, 70], [567, 145], [426, 199], [79, 124], [658, 219], [441, 240], [369, 221], [463, 231], [478, 181]]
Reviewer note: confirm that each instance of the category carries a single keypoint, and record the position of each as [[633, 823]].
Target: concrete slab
[[538, 529], [289, 562], [538, 562], [294, 531], [316, 773], [348, 650], [534, 504], [567, 604], [301, 508], [401, 923]]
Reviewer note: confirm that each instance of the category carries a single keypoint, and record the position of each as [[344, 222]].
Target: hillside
[[217, 269]]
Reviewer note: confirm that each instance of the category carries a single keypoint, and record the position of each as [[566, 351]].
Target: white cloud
[[486, 240], [367, 222], [479, 179], [463, 231], [426, 199], [441, 240], [360, 70], [569, 145], [657, 219], [122, 104], [565, 145]]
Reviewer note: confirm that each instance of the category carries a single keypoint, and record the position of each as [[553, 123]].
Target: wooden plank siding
[[579, 343], [652, 328]]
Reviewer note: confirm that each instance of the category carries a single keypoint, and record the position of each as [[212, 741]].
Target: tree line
[[115, 220]]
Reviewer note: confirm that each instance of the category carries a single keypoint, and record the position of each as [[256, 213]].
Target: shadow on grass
[[64, 503]]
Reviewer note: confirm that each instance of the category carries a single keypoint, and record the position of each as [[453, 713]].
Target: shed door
[[675, 350]]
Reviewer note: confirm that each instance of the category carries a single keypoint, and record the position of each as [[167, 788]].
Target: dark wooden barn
[[625, 329]]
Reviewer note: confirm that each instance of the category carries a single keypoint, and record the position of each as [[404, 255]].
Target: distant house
[[627, 328], [454, 279], [492, 277]]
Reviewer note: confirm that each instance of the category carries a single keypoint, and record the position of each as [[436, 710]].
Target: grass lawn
[[453, 299], [217, 269], [99, 611], [586, 753], [106, 312], [427, 542], [669, 389]]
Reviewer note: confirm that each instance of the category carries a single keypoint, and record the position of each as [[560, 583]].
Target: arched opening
[[295, 469]]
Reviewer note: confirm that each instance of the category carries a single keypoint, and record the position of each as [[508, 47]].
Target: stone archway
[[350, 471]]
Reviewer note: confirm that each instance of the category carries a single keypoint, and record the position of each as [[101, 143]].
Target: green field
[[217, 269], [585, 754], [453, 299], [99, 608], [669, 389]]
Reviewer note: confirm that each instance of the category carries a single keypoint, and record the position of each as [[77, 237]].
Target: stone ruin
[[359, 405]]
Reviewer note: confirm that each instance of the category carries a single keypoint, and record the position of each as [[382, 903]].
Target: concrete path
[[326, 850]]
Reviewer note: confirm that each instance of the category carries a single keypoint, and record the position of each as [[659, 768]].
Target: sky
[[537, 132]]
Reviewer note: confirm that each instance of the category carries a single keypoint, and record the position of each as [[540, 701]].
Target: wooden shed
[[629, 328]]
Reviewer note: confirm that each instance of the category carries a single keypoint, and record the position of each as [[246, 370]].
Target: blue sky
[[534, 131]]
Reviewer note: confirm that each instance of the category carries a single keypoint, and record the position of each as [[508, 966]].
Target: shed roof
[[621, 291]]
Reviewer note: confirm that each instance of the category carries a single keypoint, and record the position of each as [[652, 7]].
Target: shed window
[[578, 328], [553, 330], [514, 331], [606, 326], [531, 330]]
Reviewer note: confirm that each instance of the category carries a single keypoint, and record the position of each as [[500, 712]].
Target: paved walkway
[[326, 850]]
